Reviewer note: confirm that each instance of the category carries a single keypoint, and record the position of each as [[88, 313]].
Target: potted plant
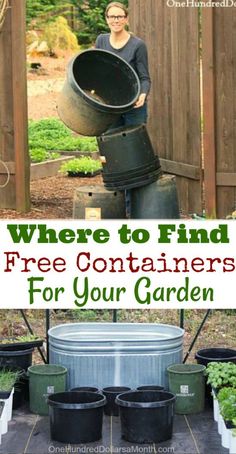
[[219, 375], [227, 404], [82, 167], [228, 413], [7, 381], [27, 341]]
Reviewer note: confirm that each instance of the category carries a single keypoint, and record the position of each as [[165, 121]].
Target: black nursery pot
[[150, 388], [222, 355], [76, 417], [12, 358], [146, 416], [130, 159], [91, 389], [111, 392]]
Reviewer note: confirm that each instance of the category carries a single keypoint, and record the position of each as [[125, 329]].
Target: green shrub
[[51, 134], [41, 155], [7, 379], [84, 165], [58, 35]]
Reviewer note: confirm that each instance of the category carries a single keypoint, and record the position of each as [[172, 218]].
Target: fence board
[[171, 35], [225, 102], [7, 194], [13, 111]]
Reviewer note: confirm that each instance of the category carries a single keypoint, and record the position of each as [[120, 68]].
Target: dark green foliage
[[36, 8], [90, 15], [50, 134]]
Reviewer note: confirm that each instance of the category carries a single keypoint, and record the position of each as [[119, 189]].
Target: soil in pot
[[76, 417], [146, 416], [111, 392]]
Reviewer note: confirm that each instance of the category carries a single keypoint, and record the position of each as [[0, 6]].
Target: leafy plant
[[40, 155], [228, 408], [51, 134], [225, 393], [7, 379], [84, 165], [221, 374], [26, 338]]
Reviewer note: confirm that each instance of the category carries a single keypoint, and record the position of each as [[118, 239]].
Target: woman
[[133, 50]]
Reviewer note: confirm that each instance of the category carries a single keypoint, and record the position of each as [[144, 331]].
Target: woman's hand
[[141, 100]]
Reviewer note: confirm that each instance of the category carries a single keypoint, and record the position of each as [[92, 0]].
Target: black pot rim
[[116, 389], [156, 404], [11, 352], [150, 388], [100, 402], [205, 353], [124, 130], [92, 389], [93, 102], [133, 183]]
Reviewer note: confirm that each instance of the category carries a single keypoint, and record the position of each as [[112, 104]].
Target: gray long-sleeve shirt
[[133, 52]]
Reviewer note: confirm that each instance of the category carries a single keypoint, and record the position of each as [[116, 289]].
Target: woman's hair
[[118, 5]]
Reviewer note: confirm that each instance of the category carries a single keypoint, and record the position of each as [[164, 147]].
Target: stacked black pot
[[100, 87], [130, 163]]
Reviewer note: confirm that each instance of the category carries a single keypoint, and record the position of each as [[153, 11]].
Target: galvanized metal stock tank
[[113, 354]]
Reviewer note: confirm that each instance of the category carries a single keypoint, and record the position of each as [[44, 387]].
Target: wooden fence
[[203, 161], [193, 130], [14, 158]]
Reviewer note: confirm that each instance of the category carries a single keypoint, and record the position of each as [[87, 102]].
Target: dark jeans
[[133, 117]]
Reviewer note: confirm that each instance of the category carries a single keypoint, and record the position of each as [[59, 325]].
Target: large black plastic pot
[[111, 392], [222, 355], [208, 355], [146, 416], [11, 358], [76, 417], [95, 202], [158, 200], [100, 86], [129, 158]]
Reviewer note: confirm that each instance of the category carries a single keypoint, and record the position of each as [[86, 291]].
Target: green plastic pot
[[44, 380], [187, 382]]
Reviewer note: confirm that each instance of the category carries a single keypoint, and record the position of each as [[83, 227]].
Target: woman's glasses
[[112, 18]]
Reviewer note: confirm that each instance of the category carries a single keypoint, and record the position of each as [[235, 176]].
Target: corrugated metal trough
[[112, 354]]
